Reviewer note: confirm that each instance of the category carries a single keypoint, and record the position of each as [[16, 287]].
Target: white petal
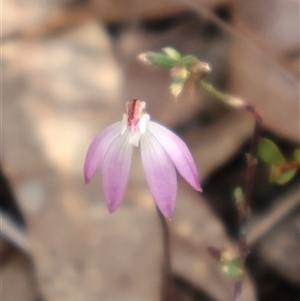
[[143, 123]]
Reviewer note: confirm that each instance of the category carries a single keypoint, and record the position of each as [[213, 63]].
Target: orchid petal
[[178, 152], [160, 174], [115, 171], [98, 148]]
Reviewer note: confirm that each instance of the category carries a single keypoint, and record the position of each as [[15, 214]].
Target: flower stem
[[237, 289], [231, 100], [167, 279], [216, 93], [245, 209]]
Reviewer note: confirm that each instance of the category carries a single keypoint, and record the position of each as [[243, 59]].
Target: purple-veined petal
[[115, 171], [160, 173], [178, 152], [98, 148]]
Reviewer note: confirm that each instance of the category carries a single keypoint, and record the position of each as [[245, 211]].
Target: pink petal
[[178, 152], [98, 148], [160, 173], [115, 171]]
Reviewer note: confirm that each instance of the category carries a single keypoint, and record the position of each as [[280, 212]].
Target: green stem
[[230, 100], [216, 93]]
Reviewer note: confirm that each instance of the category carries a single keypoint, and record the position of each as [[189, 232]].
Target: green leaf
[[179, 75], [269, 152], [176, 87], [172, 53], [281, 178], [297, 155], [157, 58], [188, 60], [233, 267], [238, 195]]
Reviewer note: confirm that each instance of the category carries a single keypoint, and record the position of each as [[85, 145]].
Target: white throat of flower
[[135, 121]]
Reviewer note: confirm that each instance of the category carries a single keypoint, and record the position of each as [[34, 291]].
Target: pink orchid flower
[[161, 152]]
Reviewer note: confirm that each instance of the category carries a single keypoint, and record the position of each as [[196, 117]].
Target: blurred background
[[68, 67]]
